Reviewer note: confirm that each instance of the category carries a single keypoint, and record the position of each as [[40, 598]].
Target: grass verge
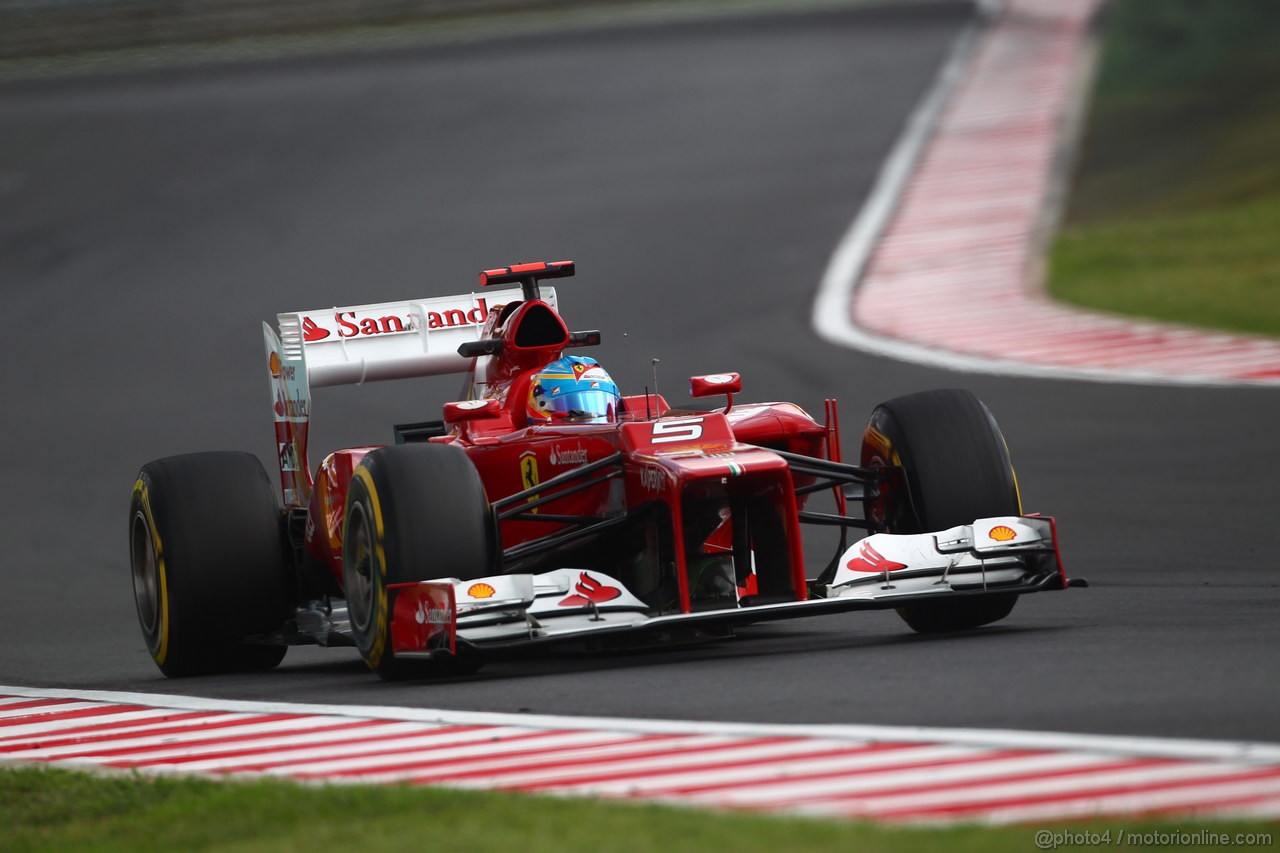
[[51, 809], [1176, 203]]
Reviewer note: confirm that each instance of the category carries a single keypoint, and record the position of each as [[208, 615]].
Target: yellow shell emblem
[[480, 590], [1002, 533]]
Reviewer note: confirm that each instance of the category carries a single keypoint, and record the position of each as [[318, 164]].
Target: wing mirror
[[716, 383], [471, 410]]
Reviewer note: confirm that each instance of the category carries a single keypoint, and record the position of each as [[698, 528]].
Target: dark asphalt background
[[701, 175]]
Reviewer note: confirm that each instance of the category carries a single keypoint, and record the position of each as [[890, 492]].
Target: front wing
[[992, 556]]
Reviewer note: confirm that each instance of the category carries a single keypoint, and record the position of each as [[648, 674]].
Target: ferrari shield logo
[[529, 472]]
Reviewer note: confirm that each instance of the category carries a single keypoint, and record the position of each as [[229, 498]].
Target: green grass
[[51, 809], [1175, 208], [1217, 268]]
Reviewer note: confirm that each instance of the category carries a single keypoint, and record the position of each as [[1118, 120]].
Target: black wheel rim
[[357, 569], [146, 574]]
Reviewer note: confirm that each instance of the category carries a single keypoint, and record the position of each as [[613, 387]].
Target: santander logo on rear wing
[[390, 340], [364, 343]]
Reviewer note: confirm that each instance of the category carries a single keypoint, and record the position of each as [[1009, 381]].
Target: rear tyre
[[208, 565], [957, 470], [414, 512]]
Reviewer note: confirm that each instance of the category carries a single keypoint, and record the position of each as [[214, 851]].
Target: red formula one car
[[547, 507]]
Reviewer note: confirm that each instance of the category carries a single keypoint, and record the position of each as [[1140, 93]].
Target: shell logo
[[274, 364], [1002, 533], [480, 590]]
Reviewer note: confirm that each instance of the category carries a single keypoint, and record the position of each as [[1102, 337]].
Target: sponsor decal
[[430, 615], [529, 469], [871, 560], [529, 473], [311, 332], [288, 454], [653, 479], [576, 456], [422, 619], [736, 469], [291, 407], [291, 447], [480, 590], [588, 590], [351, 324], [366, 324], [280, 370], [472, 404], [578, 369], [718, 379], [1002, 533]]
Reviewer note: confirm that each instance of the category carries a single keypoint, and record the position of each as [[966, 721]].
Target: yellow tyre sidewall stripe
[[143, 496], [380, 616], [1017, 492]]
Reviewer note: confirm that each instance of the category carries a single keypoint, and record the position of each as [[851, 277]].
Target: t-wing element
[[528, 275], [493, 346]]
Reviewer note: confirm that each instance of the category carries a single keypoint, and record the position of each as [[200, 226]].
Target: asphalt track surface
[[701, 175]]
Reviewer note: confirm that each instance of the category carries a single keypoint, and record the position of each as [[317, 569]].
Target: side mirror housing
[[715, 383], [471, 410]]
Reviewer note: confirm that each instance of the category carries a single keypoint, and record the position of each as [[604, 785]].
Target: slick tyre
[[957, 469], [414, 512], [207, 556]]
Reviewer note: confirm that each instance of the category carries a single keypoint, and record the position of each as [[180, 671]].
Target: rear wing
[[364, 343]]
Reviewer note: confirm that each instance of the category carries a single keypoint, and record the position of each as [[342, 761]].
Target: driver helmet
[[573, 389]]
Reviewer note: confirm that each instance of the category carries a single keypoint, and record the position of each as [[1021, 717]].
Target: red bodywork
[[683, 476]]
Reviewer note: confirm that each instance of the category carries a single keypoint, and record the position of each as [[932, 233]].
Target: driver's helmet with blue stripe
[[573, 389]]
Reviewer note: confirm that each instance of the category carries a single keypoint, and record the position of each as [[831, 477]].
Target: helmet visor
[[585, 406]]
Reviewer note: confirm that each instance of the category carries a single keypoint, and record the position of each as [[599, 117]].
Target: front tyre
[[414, 512], [207, 560], [957, 470]]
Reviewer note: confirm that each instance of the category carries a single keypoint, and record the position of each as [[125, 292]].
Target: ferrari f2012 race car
[[548, 507]]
